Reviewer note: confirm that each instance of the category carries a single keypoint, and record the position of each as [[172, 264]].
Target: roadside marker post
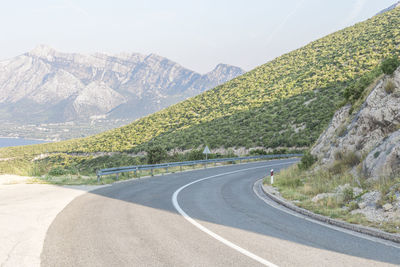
[[272, 176]]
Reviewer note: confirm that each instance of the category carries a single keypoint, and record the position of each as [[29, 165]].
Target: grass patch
[[389, 87], [301, 186]]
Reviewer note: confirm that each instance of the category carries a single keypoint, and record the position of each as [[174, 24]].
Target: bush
[[338, 155], [355, 89], [389, 87], [352, 205], [348, 194], [341, 131], [351, 159], [389, 65], [195, 154], [307, 161], [258, 152], [57, 171], [156, 154], [338, 167]]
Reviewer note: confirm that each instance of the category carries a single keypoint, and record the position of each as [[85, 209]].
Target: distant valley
[[48, 94]]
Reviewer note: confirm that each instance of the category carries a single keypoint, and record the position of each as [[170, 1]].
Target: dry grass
[[389, 86], [302, 186]]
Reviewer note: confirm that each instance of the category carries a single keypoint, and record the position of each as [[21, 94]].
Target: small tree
[[307, 161], [156, 154], [389, 65]]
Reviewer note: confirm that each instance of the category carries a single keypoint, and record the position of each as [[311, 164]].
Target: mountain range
[[47, 86]]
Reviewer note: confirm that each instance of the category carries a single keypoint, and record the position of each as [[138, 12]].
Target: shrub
[[389, 87], [389, 65], [351, 159], [57, 171], [353, 205], [338, 167], [341, 131], [258, 152], [348, 194], [156, 154], [195, 154], [338, 155], [307, 161], [355, 89]]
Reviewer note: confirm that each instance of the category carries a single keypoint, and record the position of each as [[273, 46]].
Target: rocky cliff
[[372, 133], [47, 86]]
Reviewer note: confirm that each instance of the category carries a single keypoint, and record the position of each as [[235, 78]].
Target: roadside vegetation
[[304, 182], [80, 170]]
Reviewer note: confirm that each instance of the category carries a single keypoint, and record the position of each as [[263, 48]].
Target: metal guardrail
[[165, 166]]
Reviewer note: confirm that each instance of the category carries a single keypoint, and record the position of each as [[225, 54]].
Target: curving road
[[209, 217]]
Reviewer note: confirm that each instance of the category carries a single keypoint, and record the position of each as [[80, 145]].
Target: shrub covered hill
[[286, 102]]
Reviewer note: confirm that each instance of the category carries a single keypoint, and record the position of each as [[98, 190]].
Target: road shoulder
[[270, 193], [26, 212]]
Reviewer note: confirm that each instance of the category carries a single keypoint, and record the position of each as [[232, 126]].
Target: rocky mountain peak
[[221, 66], [42, 50], [225, 67], [231, 71], [154, 57]]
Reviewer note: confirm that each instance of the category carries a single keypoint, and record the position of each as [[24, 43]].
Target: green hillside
[[286, 102]]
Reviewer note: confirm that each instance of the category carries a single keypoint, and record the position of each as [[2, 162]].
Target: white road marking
[[209, 232]]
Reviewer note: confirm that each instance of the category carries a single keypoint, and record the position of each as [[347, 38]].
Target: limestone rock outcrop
[[373, 133]]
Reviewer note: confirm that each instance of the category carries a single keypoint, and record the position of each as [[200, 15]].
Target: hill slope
[[286, 102], [389, 8]]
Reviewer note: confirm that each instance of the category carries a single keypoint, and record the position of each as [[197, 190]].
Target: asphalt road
[[176, 220]]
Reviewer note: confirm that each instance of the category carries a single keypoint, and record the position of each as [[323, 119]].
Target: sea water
[[5, 142]]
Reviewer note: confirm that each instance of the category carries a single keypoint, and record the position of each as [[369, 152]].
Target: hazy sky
[[197, 34]]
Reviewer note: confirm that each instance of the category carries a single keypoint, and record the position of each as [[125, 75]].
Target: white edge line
[[209, 232]]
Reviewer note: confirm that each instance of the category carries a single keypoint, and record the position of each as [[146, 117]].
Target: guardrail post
[[180, 168], [151, 171], [98, 177], [116, 176], [135, 171], [166, 169]]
